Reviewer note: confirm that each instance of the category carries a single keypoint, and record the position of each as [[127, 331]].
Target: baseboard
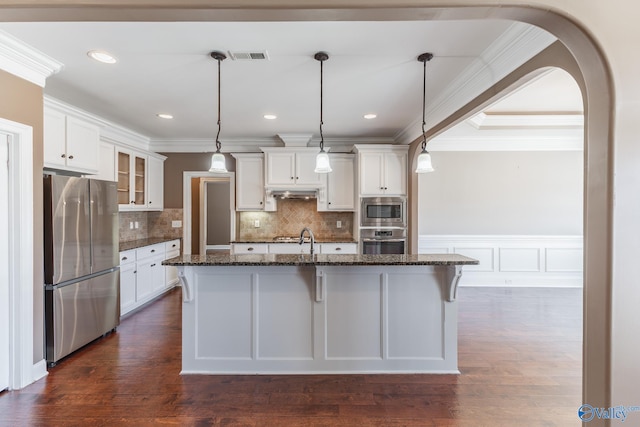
[[39, 370]]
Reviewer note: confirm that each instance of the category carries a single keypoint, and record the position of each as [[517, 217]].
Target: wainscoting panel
[[514, 260]]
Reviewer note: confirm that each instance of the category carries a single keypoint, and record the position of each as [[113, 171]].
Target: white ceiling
[[165, 67]]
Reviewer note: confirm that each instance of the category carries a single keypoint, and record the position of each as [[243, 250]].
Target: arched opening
[[590, 70]]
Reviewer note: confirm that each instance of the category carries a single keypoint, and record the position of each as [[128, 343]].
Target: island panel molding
[[295, 314]]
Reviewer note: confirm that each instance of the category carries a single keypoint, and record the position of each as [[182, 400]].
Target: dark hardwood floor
[[519, 356]]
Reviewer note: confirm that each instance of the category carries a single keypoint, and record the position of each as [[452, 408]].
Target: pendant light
[[424, 158], [218, 163], [322, 159]]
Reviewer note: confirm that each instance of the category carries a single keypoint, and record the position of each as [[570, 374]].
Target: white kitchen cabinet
[[155, 184], [140, 177], [127, 281], [70, 143], [339, 248], [292, 248], [341, 195], [249, 248], [382, 170], [290, 168], [107, 162], [172, 249], [250, 191], [142, 275]]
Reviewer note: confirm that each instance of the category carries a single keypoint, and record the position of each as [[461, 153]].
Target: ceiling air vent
[[249, 56]]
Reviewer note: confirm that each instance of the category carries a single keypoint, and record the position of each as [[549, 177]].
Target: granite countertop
[[223, 259], [135, 244]]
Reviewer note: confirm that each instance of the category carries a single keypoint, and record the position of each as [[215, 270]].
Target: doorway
[[191, 188], [216, 212], [4, 263]]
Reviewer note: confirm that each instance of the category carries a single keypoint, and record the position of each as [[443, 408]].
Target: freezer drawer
[[78, 313]]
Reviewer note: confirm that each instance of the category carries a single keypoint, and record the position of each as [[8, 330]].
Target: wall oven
[[383, 212], [383, 241]]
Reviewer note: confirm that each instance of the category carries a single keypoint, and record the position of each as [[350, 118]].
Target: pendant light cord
[[424, 58], [321, 121], [218, 143]]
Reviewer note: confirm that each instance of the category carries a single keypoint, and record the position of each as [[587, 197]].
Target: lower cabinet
[[142, 275], [293, 248]]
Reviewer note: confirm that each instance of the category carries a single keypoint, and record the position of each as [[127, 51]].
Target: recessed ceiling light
[[270, 116], [164, 116], [370, 116], [102, 56]]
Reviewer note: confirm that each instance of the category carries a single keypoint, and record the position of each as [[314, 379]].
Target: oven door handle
[[383, 240]]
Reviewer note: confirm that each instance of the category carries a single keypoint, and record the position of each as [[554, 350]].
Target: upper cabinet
[[382, 170], [250, 191], [140, 179], [341, 195], [291, 167], [70, 143]]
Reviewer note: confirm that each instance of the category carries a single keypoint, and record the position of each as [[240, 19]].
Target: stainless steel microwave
[[383, 212]]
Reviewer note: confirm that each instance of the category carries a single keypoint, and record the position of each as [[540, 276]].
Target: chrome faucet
[[313, 239]]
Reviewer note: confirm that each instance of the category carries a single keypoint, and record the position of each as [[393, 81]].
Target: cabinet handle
[[291, 177], [152, 265], [260, 202], [135, 271], [329, 202], [133, 202], [297, 177], [173, 246], [150, 202], [153, 250], [338, 249], [63, 156], [249, 249], [70, 157], [124, 258]]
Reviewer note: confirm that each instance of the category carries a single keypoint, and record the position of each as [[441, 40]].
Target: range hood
[[295, 194]]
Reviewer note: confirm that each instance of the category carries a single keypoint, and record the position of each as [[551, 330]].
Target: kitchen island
[[274, 313]]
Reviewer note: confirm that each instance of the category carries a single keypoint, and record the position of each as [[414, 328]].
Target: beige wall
[[602, 37], [22, 102], [176, 164], [517, 192]]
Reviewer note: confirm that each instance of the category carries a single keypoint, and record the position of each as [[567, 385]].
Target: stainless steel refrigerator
[[82, 280]]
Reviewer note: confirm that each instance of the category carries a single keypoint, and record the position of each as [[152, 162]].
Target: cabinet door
[[139, 182], [156, 184], [250, 183], [123, 169], [150, 278], [55, 153], [83, 141], [280, 169], [249, 248], [371, 173], [305, 164], [340, 184], [395, 174], [107, 166], [127, 288]]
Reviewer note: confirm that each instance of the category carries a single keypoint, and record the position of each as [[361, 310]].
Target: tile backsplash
[[291, 217], [150, 224]]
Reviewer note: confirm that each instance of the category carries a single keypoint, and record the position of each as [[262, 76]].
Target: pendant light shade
[[424, 158], [323, 165], [218, 163]]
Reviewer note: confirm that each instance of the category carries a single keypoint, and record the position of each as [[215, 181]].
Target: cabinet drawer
[[172, 246], [339, 248], [149, 251], [242, 248], [127, 257]]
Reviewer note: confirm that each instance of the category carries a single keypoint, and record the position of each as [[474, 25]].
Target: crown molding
[[26, 62], [499, 121], [252, 145], [514, 47]]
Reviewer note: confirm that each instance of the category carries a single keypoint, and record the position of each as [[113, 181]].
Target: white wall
[[502, 193]]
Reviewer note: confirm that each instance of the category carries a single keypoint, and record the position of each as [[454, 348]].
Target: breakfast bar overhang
[[319, 314]]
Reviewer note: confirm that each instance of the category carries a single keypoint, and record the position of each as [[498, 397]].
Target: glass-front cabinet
[[132, 170]]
